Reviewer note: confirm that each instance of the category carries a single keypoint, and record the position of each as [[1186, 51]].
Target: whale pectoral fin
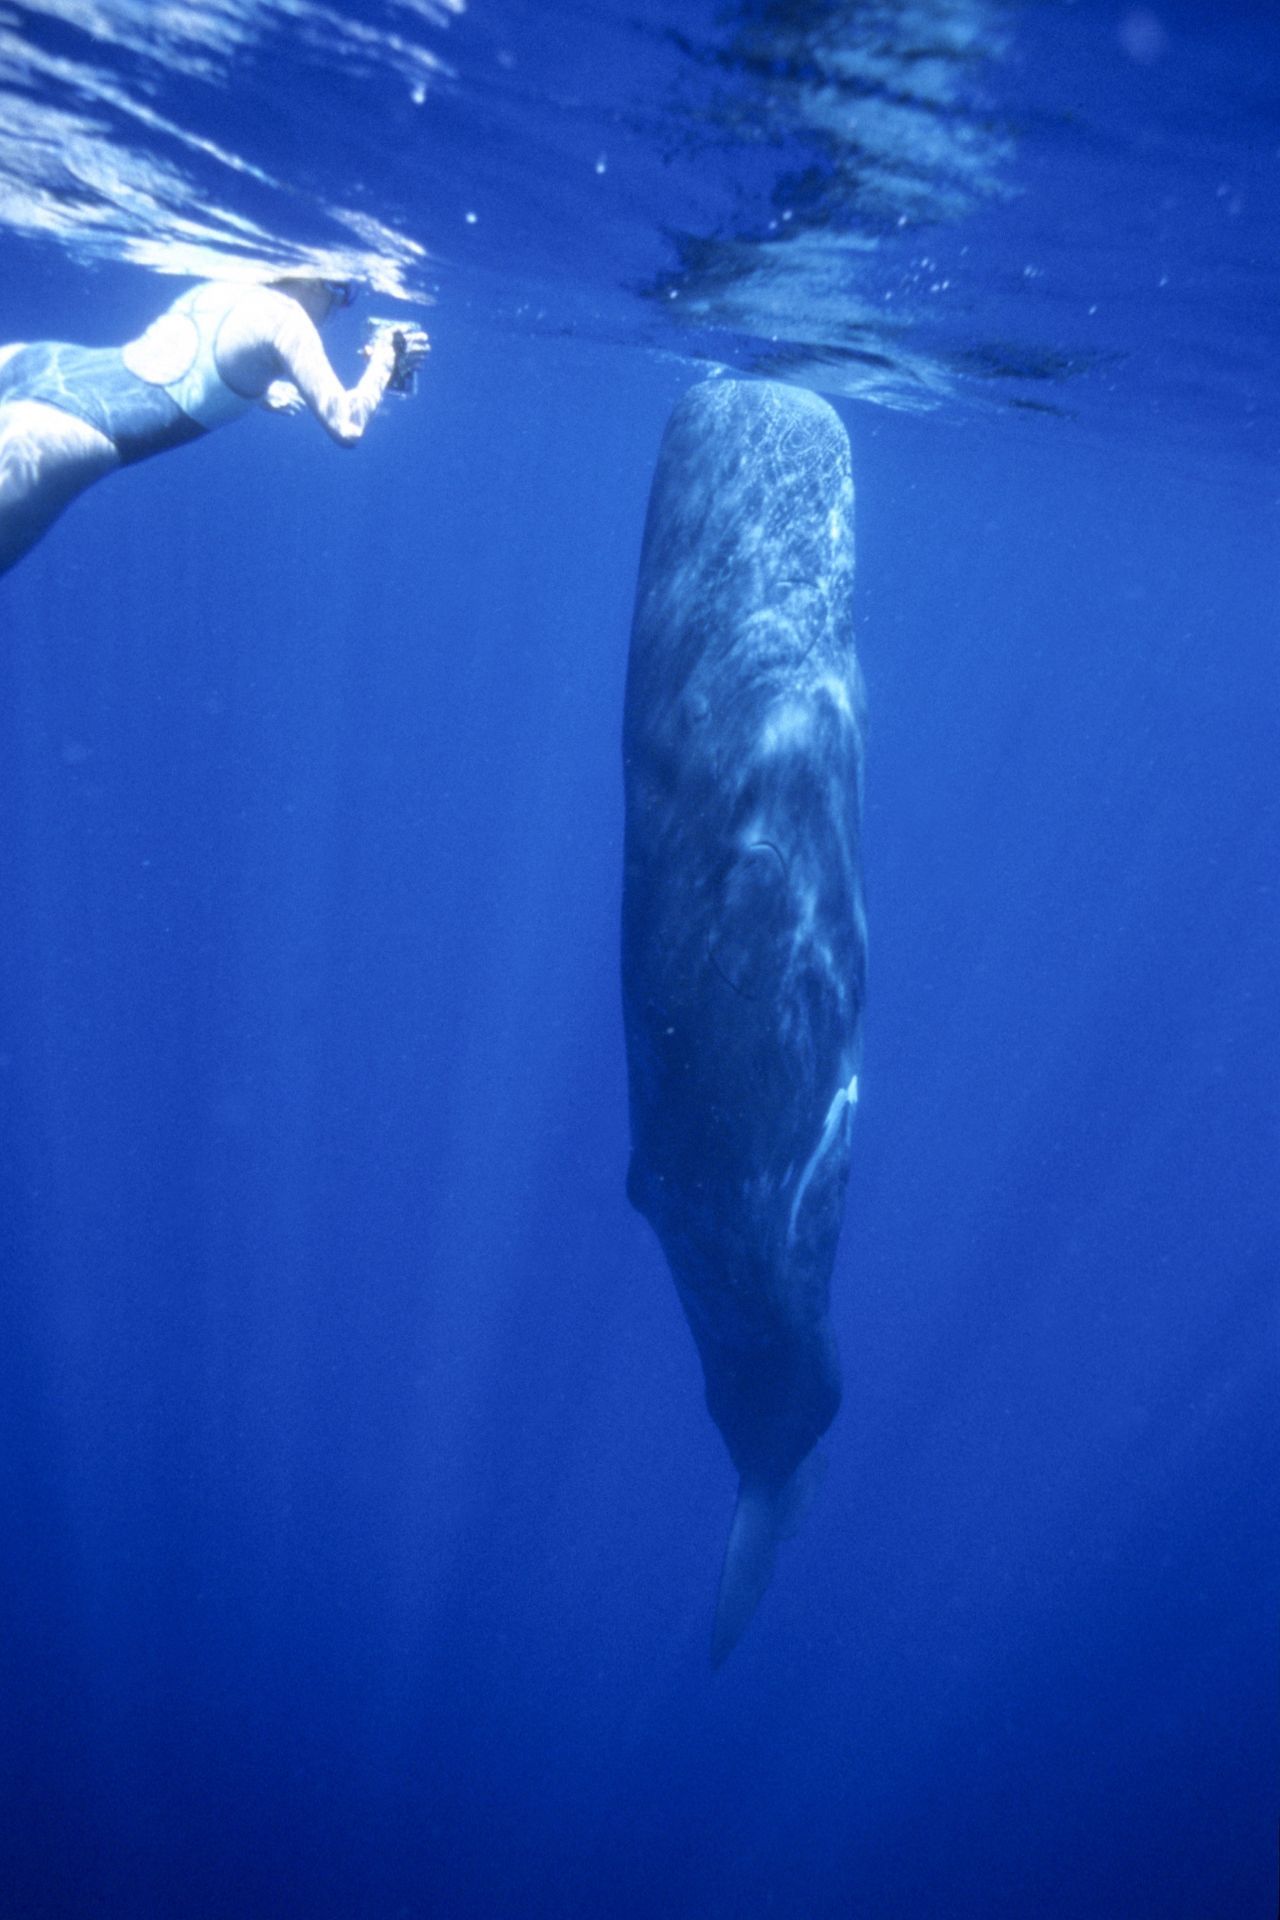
[[763, 1518]]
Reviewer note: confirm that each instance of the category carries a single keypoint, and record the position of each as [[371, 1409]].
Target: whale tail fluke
[[764, 1517]]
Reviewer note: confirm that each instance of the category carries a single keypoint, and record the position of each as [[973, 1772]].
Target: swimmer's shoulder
[[265, 314]]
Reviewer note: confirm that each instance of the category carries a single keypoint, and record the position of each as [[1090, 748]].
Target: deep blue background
[[361, 1517]]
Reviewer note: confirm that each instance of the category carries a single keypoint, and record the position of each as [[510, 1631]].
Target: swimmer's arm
[[343, 412]]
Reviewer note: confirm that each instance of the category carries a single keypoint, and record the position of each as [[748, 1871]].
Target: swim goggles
[[341, 292]]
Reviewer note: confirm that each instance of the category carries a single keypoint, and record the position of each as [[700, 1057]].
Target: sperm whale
[[743, 938]]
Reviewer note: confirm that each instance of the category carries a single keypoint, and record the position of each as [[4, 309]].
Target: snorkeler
[[69, 415]]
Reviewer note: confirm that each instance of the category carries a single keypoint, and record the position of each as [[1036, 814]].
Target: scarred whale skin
[[744, 943]]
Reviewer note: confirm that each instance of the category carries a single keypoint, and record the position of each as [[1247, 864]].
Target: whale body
[[744, 939]]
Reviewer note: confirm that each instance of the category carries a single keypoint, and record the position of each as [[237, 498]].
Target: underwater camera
[[403, 379]]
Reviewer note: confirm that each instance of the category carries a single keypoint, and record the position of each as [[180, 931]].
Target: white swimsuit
[[179, 352]]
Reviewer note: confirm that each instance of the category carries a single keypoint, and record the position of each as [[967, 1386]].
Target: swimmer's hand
[[404, 348], [283, 397]]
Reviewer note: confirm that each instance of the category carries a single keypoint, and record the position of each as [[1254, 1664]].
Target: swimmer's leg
[[46, 459]]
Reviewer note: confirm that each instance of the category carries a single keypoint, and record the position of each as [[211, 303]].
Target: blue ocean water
[[361, 1515]]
